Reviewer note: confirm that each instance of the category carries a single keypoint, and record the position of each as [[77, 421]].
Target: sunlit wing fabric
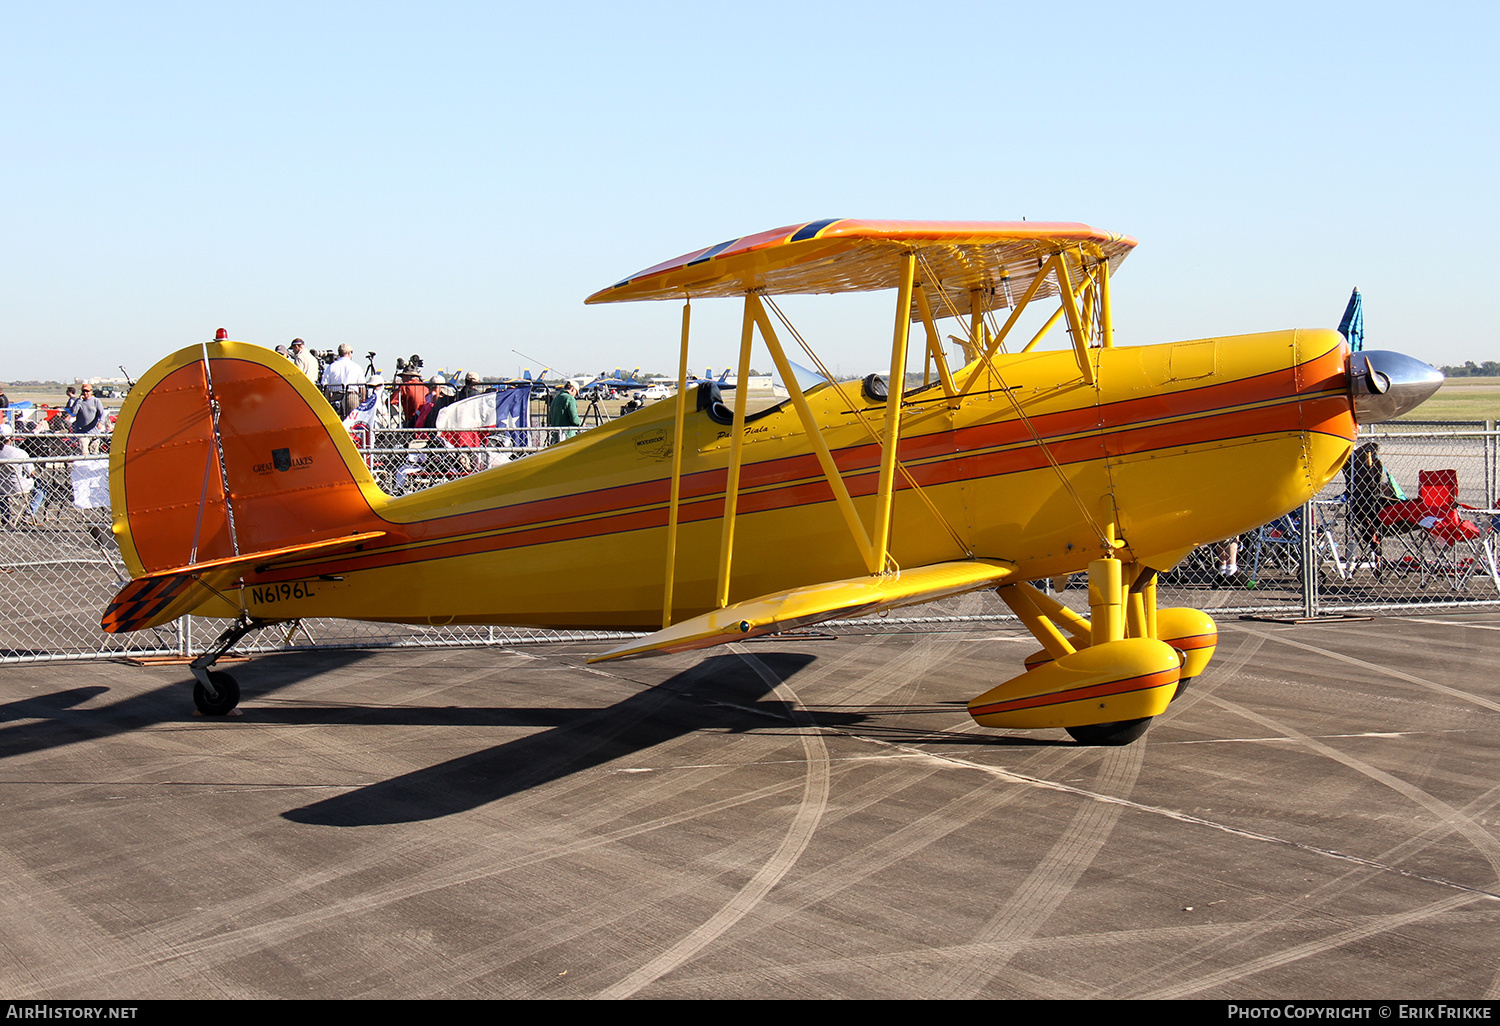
[[815, 603], [995, 259]]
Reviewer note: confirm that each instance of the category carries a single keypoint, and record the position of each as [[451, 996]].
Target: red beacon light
[[221, 335]]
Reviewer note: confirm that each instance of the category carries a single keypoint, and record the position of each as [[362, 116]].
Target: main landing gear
[[1101, 679], [215, 692]]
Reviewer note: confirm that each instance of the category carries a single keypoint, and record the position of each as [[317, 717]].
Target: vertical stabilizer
[[227, 448]]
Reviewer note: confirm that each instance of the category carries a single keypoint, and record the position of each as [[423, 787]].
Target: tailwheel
[[226, 698], [215, 693], [1121, 732]]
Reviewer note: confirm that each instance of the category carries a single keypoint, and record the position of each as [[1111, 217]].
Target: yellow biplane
[[238, 494]]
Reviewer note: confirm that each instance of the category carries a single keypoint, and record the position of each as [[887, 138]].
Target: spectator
[[15, 479], [1227, 553], [88, 419], [563, 412], [439, 395], [412, 394], [306, 362], [341, 381]]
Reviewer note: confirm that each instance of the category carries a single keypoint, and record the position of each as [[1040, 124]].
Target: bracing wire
[[1036, 437], [859, 415]]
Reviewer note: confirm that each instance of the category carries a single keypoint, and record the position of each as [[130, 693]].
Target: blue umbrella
[[1352, 327]]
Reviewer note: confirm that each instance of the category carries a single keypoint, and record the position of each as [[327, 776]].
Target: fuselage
[[1172, 446]]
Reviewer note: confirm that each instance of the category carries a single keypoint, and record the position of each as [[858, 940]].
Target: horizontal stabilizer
[[160, 597], [815, 603]]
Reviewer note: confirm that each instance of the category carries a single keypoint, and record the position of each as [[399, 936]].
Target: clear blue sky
[[454, 178]]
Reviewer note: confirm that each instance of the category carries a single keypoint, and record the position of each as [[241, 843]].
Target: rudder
[[278, 469]]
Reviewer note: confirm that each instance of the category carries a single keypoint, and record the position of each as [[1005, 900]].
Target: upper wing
[[154, 599], [996, 258], [800, 607]]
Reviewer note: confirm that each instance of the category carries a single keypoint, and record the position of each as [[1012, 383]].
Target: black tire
[[1121, 732], [229, 695]]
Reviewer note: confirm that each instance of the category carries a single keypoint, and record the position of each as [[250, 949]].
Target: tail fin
[[226, 449]]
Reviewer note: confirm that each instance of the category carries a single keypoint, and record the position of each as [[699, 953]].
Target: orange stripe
[[1145, 682], [797, 481]]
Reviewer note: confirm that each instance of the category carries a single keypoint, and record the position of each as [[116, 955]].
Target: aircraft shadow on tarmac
[[55, 720], [875, 728], [48, 706], [721, 693]]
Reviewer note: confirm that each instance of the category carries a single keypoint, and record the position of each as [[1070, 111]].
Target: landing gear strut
[[215, 693], [1103, 678]]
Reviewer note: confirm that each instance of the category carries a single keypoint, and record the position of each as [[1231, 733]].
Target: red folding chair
[[1442, 538]]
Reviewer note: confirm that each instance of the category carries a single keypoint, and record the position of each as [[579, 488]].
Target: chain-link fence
[[1411, 521], [59, 565]]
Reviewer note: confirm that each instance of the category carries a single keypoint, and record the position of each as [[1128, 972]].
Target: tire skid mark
[[205, 931], [854, 869], [1294, 912], [187, 938], [878, 673], [1456, 623], [1487, 845], [1388, 671], [1350, 935], [646, 891], [629, 906], [509, 963], [1060, 944], [1049, 884], [798, 836], [977, 802], [929, 651], [1449, 820], [914, 837], [30, 956], [1223, 667], [1041, 783]]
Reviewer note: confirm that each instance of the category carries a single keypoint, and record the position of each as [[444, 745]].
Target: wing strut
[[934, 345], [666, 604], [815, 437], [859, 416], [736, 455], [895, 387]]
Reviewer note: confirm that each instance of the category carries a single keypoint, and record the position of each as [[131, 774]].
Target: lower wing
[[815, 603]]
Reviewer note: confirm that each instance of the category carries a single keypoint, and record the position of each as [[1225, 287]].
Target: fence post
[[1309, 562], [1491, 448], [185, 635]]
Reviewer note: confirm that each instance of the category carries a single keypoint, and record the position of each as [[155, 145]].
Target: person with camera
[[563, 411], [342, 380], [88, 419], [306, 362], [410, 391]]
